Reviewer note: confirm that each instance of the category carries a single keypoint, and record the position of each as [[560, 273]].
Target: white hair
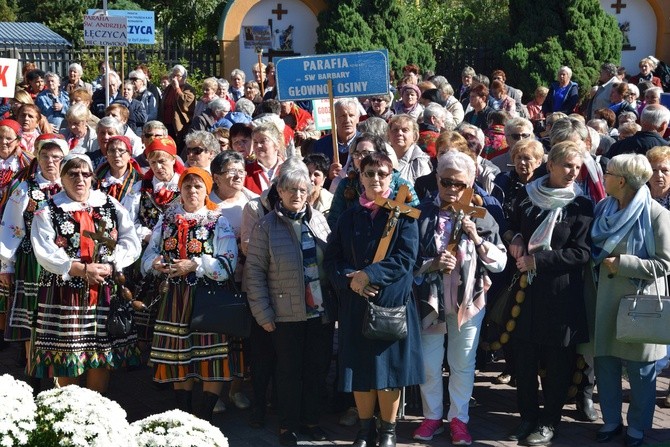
[[457, 161], [181, 69], [76, 67]]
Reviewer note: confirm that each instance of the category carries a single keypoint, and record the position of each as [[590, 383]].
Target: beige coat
[[611, 290]]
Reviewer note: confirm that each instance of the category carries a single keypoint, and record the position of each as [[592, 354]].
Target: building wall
[[301, 14]]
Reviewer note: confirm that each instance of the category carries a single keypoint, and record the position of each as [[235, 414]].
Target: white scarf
[[552, 200]]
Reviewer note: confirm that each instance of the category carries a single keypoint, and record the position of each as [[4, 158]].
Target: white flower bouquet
[[72, 416], [176, 428], [17, 412]]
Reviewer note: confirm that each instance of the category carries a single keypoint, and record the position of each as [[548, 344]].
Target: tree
[[462, 32], [553, 33], [356, 25], [8, 11]]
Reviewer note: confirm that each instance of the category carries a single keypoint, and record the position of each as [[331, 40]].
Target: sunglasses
[[519, 136], [75, 174], [458, 186], [195, 150], [373, 174], [152, 135], [377, 99]]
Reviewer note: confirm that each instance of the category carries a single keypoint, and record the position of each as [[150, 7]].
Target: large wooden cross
[[99, 239], [398, 208], [459, 210]]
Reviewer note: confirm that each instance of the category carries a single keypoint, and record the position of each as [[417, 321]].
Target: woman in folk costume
[[20, 270], [13, 158], [70, 336], [188, 246], [146, 203], [551, 222], [120, 172], [451, 288]]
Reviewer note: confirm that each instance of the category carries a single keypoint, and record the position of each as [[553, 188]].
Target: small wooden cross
[[100, 239], [397, 208], [279, 11], [459, 210], [618, 6]]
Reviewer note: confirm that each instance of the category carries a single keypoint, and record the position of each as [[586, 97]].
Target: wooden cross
[[618, 6], [280, 12], [459, 210], [397, 208], [100, 239]]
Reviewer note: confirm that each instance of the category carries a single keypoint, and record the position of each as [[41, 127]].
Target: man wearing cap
[[143, 95]]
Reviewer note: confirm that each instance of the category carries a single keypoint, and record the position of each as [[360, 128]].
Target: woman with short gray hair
[[439, 273], [286, 285], [563, 94], [631, 252], [201, 148]]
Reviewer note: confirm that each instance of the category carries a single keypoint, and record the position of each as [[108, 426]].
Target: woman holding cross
[[70, 338], [458, 245], [375, 370]]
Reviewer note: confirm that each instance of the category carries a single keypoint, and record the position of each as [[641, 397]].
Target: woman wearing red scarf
[[12, 159], [70, 337], [20, 270], [146, 203], [120, 172], [187, 248]]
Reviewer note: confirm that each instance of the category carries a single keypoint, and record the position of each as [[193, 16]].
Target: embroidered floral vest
[[36, 199], [67, 233], [150, 208], [199, 239]]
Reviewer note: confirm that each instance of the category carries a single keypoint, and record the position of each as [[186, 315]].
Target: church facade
[[288, 28]]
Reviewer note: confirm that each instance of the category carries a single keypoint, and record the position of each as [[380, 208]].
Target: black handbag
[[385, 323], [120, 318], [221, 308]]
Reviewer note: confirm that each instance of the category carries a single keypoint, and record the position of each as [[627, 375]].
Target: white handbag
[[644, 318]]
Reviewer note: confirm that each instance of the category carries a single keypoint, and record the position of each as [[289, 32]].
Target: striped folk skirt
[[22, 304], [70, 335], [178, 354]]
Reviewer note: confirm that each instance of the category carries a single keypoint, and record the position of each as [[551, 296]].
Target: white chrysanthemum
[[17, 412], [79, 417], [176, 428]]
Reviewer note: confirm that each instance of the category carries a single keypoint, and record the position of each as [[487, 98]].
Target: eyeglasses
[[373, 174], [519, 136], [359, 155], [458, 186], [613, 174], [377, 100], [195, 150], [296, 191], [55, 158], [118, 151], [153, 135], [76, 174], [235, 172]]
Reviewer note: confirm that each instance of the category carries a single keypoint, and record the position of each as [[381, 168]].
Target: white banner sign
[[8, 69], [105, 31], [321, 114]]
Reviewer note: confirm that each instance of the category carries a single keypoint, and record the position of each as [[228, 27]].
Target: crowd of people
[[440, 196]]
